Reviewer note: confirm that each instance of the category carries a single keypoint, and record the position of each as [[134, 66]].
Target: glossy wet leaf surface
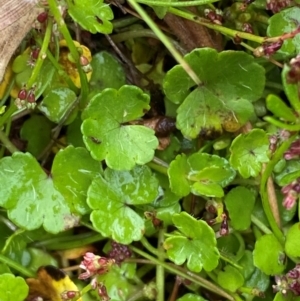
[[249, 151], [283, 22], [57, 103], [108, 135], [35, 202], [201, 174], [195, 244], [92, 15], [42, 199], [230, 81], [72, 172], [113, 197]]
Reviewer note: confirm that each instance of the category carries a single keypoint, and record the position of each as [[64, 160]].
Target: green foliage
[[231, 279], [248, 152], [111, 197], [191, 297], [236, 204], [108, 135], [269, 255], [201, 174], [12, 288], [92, 15], [286, 20], [190, 169], [107, 72], [56, 104], [36, 131], [195, 243], [292, 244], [218, 103]]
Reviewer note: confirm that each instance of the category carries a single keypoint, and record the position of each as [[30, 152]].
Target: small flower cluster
[[25, 99], [291, 193], [294, 151], [215, 16], [119, 252], [293, 75], [288, 282], [268, 49], [96, 265], [277, 5]]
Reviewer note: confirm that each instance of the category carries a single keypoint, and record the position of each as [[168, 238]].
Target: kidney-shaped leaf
[[201, 174], [57, 103], [28, 194], [107, 134], [249, 151], [196, 244], [92, 15], [12, 288], [230, 81], [111, 199], [72, 172]]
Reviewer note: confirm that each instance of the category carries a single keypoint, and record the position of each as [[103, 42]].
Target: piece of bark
[[16, 19], [193, 35]]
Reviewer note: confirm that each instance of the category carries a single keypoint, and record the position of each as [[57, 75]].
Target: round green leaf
[[249, 151], [37, 132], [285, 21], [92, 15], [57, 103], [108, 135], [208, 189], [177, 175], [292, 243], [230, 279], [196, 244], [12, 288], [111, 199], [72, 172], [28, 194], [220, 102], [201, 173], [240, 199], [107, 72], [267, 255]]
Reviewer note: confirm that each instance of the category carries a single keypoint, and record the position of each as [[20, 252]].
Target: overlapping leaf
[[230, 81], [108, 135], [195, 244], [92, 15], [249, 151], [112, 197], [34, 199], [201, 174]]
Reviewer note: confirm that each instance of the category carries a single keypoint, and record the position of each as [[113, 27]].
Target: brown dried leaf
[[16, 19]]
